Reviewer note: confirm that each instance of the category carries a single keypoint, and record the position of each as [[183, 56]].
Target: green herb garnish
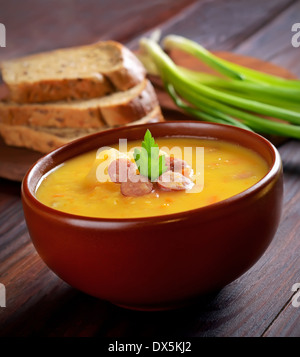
[[148, 160]]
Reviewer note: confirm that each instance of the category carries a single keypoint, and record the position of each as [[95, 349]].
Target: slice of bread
[[114, 109], [73, 73], [45, 139]]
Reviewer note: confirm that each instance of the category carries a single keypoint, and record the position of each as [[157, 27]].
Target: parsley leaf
[[148, 160]]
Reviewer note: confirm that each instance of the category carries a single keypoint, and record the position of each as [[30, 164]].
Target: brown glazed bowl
[[158, 262]]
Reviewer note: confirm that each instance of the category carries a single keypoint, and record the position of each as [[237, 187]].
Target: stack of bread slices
[[58, 96]]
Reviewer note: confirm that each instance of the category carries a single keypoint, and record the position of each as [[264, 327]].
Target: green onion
[[206, 113], [288, 94], [254, 122], [191, 47], [228, 68], [242, 96]]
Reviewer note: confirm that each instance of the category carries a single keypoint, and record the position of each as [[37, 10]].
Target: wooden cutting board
[[14, 162]]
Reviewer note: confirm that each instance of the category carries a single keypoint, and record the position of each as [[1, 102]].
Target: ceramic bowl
[[158, 262]]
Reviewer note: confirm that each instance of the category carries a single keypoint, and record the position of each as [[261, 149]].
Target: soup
[[223, 170]]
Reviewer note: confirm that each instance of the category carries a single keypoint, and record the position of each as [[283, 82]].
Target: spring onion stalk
[[267, 99], [211, 60], [289, 94], [256, 93], [264, 78], [270, 95], [254, 122], [165, 64], [239, 100], [198, 114], [206, 113], [227, 68]]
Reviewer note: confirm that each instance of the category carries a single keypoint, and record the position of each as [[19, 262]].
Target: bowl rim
[[274, 169]]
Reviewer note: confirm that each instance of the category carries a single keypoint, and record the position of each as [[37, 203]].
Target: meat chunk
[[138, 187], [120, 169], [177, 165], [174, 181]]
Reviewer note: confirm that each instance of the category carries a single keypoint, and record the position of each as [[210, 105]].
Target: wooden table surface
[[259, 303]]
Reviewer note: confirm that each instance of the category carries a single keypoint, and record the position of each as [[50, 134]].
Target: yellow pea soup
[[228, 169]]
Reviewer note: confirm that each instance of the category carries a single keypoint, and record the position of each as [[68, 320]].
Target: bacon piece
[[177, 165], [120, 169], [139, 186], [174, 181]]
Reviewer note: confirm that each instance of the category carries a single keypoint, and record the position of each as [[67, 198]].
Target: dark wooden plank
[[287, 324], [220, 25], [34, 26], [14, 162], [9, 191], [25, 276], [273, 41]]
